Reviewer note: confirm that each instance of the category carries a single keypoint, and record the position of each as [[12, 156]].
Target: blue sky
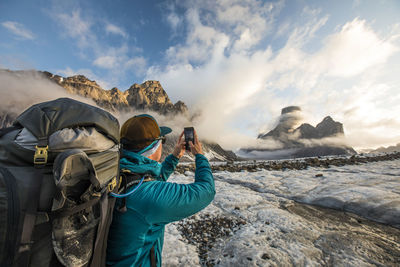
[[239, 62]]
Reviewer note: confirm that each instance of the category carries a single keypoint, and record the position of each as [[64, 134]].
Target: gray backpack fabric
[[58, 163]]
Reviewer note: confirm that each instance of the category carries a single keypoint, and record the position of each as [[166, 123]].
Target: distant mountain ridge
[[389, 149], [148, 95]]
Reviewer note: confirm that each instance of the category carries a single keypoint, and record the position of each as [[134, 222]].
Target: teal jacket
[[155, 203]]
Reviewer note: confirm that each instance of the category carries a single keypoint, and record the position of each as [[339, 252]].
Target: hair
[[133, 146]]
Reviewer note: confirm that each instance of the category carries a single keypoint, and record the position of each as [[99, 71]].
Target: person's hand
[[196, 148], [179, 148]]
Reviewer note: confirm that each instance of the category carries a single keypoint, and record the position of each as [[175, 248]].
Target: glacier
[[346, 216]]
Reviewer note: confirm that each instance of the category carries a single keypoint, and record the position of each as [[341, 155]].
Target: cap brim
[[165, 130]]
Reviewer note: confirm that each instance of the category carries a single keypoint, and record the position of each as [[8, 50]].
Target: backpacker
[[58, 163]]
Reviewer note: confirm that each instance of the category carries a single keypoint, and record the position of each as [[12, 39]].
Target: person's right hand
[[196, 148], [179, 148]]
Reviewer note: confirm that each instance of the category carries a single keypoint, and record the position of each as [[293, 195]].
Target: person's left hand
[[179, 148]]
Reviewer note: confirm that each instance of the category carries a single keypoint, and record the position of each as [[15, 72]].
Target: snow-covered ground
[[281, 231]]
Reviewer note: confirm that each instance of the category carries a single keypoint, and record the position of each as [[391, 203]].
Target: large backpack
[[58, 163]]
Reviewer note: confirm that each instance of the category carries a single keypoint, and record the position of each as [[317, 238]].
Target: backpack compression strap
[[24, 250]]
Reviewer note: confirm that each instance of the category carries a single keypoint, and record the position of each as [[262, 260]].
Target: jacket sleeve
[[168, 167], [174, 202]]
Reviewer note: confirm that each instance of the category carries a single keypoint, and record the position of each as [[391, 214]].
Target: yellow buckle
[[112, 184], [40, 157]]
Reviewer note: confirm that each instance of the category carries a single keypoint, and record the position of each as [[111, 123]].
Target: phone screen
[[189, 136]]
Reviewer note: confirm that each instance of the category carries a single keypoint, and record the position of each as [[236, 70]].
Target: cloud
[[174, 19], [118, 62], [200, 44], [113, 29], [354, 49], [138, 64], [237, 65], [76, 27], [249, 21], [226, 71], [18, 29], [13, 61], [117, 59], [25, 88], [233, 26], [107, 62]]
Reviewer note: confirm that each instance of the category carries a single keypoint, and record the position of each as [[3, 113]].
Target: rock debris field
[[282, 213], [300, 164]]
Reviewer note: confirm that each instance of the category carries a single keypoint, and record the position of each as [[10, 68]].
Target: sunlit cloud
[[226, 71], [354, 49]]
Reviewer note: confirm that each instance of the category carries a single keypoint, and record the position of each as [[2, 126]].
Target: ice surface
[[280, 231], [179, 252], [370, 190]]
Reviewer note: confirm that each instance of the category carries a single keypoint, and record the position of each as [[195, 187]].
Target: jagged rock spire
[[148, 95]]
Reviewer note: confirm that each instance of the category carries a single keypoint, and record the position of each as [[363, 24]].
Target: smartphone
[[189, 136]]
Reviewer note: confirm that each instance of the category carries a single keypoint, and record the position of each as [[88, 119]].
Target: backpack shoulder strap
[[153, 260]]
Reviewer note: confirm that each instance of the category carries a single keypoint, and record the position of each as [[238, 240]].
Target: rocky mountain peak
[[328, 119], [81, 79], [151, 91], [328, 127], [148, 95], [151, 83], [181, 107], [308, 131], [300, 141], [115, 90], [288, 120]]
